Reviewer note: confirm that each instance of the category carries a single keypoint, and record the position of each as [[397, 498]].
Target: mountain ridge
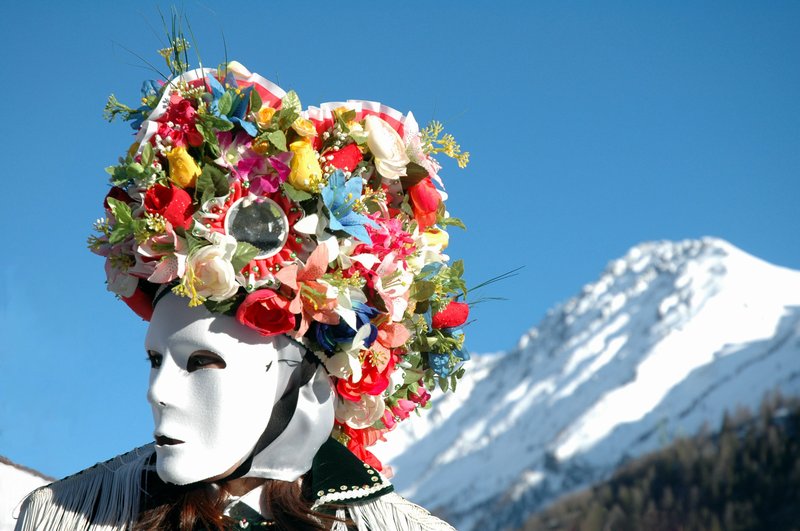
[[667, 335]]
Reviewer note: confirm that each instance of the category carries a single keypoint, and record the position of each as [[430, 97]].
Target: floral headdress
[[326, 224]]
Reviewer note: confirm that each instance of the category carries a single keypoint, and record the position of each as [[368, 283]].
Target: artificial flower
[[392, 282], [453, 315], [346, 362], [346, 158], [264, 116], [376, 369], [312, 300], [171, 202], [141, 303], [211, 267], [183, 170], [362, 414], [167, 252], [425, 201], [266, 312], [304, 127], [340, 196], [306, 173], [387, 147], [177, 125], [328, 336]]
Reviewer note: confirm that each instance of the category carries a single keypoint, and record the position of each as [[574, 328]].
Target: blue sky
[[592, 127]]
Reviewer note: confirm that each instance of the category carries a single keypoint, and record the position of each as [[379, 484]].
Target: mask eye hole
[[155, 359], [205, 359]]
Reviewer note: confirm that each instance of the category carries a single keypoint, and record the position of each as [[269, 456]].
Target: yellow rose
[[304, 128], [264, 116], [183, 170], [260, 146], [306, 173]]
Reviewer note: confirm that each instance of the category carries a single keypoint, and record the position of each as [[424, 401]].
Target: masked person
[[291, 265]]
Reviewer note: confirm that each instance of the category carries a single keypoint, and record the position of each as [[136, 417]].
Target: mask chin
[[209, 419]]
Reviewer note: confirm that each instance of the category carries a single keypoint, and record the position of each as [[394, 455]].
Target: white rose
[[213, 269], [387, 147], [361, 414]]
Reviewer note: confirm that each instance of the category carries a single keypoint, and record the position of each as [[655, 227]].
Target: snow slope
[[668, 338], [15, 482]]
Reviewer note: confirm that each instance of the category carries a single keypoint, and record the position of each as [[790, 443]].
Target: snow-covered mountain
[[15, 482], [668, 338]]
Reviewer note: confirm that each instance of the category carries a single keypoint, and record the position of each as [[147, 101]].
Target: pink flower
[[178, 123], [403, 408], [311, 299]]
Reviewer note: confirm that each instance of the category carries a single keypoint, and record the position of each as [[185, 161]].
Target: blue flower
[[149, 88], [439, 363], [328, 336], [241, 99], [340, 197]]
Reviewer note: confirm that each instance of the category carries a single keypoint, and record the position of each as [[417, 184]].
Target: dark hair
[[202, 506]]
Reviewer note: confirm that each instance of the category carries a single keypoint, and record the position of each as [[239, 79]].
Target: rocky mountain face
[[16, 482], [669, 337]]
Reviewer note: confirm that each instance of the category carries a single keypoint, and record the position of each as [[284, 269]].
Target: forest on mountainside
[[744, 476]]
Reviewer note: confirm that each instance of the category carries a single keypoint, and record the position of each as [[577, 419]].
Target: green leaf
[[135, 169], [124, 225], [244, 253], [411, 377], [193, 242], [359, 138], [285, 118], [278, 139], [414, 174], [452, 221], [422, 290], [457, 268], [227, 307], [225, 103], [291, 101], [443, 384], [294, 194], [211, 183], [216, 123], [255, 101], [148, 155], [120, 209]]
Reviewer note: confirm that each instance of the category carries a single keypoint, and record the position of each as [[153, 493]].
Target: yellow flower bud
[[304, 128], [183, 170], [306, 173], [264, 116]]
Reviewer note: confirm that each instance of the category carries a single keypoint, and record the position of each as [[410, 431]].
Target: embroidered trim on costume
[[355, 493]]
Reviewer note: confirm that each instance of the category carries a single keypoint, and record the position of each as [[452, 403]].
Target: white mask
[[217, 413]]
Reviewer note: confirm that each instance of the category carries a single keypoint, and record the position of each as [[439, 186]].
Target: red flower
[[454, 314], [141, 303], [346, 158], [358, 440], [374, 380], [266, 312], [178, 123], [119, 194], [174, 203], [425, 201]]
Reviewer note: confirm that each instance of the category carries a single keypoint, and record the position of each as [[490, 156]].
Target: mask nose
[[163, 384]]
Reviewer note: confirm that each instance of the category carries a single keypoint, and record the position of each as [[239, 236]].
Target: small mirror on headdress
[[262, 224]]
